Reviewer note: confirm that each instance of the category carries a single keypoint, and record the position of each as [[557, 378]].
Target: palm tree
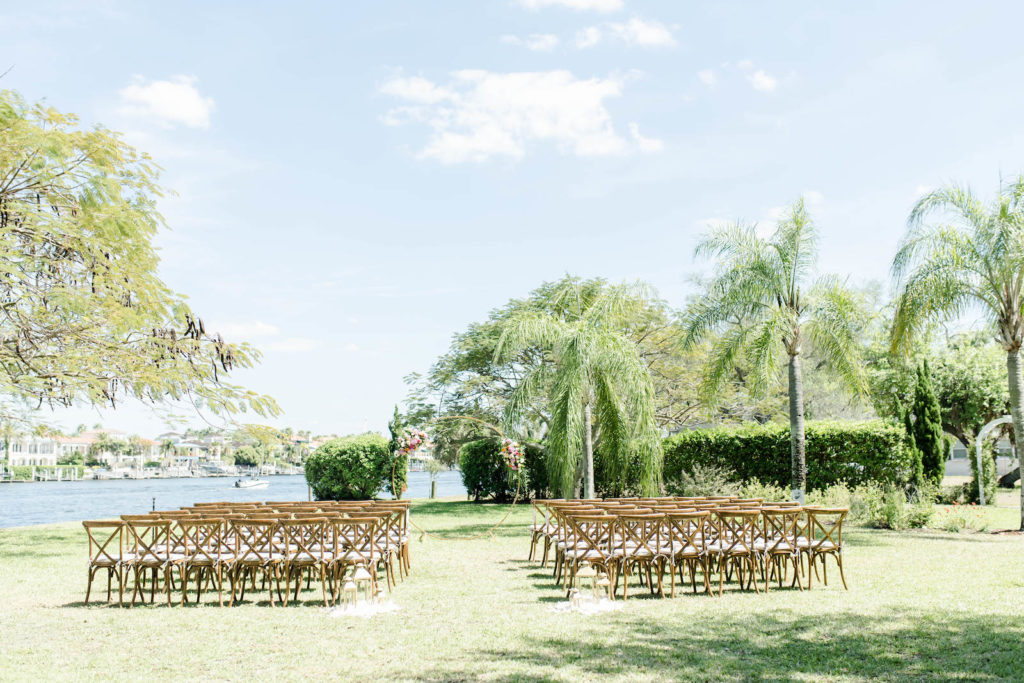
[[105, 444], [9, 430], [167, 447], [973, 258], [594, 371], [769, 309]]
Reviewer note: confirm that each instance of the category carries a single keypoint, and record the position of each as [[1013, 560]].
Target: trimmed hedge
[[485, 474], [851, 452], [536, 471], [24, 472], [350, 468]]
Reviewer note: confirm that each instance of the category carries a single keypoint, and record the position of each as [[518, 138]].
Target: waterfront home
[[32, 451], [117, 449]]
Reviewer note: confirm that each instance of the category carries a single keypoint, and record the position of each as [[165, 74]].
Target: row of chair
[[749, 538], [275, 542]]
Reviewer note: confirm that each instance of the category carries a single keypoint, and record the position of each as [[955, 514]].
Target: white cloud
[[636, 31], [813, 199], [759, 79], [294, 345], [770, 220], [922, 190], [172, 102], [645, 145], [588, 37], [351, 347], [246, 330], [538, 42], [762, 81], [415, 89], [579, 5], [485, 114]]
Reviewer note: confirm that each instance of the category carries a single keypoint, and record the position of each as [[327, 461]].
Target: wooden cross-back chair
[[637, 543], [734, 547], [355, 545], [565, 536], [149, 543], [106, 548], [205, 555], [824, 538], [778, 545], [592, 536], [687, 534], [399, 530], [541, 524], [258, 550], [305, 550]]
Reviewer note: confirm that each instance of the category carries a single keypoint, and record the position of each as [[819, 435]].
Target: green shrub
[[989, 479], [703, 480], [350, 468], [769, 492], [24, 472], [876, 505], [609, 484], [247, 456], [21, 472], [536, 471], [485, 474], [153, 463], [71, 459], [957, 495], [925, 430], [851, 452]]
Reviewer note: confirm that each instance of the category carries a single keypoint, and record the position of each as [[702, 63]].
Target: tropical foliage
[[962, 254], [596, 381], [766, 304]]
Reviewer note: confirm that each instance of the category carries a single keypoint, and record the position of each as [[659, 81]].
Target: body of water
[[48, 502]]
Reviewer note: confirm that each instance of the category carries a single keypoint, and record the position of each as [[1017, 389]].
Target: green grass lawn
[[921, 605]]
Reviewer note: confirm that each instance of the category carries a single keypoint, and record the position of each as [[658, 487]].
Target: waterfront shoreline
[[109, 498]]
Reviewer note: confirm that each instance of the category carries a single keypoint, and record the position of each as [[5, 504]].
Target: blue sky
[[358, 181]]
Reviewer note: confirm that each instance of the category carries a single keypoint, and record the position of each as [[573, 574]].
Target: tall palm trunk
[[588, 466], [797, 450], [1016, 385]]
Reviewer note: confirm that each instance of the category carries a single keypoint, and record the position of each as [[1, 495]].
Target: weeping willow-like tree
[[765, 307], [596, 384], [971, 257]]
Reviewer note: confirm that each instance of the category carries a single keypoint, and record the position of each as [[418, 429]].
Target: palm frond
[[833, 328], [954, 199], [765, 350]]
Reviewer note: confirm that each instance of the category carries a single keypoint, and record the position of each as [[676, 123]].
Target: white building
[[46, 451], [33, 451]]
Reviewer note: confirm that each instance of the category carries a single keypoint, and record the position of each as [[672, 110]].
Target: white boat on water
[[251, 484]]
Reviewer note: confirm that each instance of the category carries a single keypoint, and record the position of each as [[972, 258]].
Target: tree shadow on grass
[[890, 646]]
